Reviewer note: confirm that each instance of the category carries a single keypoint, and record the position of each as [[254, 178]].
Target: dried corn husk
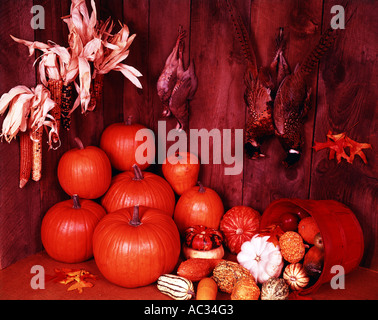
[[28, 110]]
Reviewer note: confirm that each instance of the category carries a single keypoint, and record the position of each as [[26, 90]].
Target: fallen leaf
[[338, 145]]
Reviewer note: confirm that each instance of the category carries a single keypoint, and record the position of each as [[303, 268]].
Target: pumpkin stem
[[128, 121], [138, 173], [201, 187], [76, 202], [135, 222], [79, 143]]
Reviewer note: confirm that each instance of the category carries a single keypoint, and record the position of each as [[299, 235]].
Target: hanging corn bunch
[[27, 114]]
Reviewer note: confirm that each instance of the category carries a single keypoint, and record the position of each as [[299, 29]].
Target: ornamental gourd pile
[[191, 248]]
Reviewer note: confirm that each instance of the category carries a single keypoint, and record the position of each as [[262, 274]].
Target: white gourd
[[261, 257]]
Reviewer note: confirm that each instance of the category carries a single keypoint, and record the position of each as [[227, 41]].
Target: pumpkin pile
[[129, 220]]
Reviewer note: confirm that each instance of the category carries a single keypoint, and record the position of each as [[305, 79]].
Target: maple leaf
[[78, 276], [274, 232], [338, 143]]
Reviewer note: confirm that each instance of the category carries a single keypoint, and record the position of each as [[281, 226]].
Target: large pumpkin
[[139, 188], [67, 229], [118, 141], [198, 206], [239, 224], [85, 171], [134, 246], [181, 171]]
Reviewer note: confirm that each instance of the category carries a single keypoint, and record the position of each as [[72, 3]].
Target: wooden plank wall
[[344, 87]]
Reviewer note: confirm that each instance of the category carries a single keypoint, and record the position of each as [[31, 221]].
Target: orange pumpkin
[[85, 171], [239, 224], [134, 246], [118, 142], [198, 206], [67, 229], [139, 188], [181, 171]]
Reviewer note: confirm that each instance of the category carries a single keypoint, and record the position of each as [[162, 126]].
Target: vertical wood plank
[[135, 101], [267, 179], [218, 103], [19, 208], [347, 101]]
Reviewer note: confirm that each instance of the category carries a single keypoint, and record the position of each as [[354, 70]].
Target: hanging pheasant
[[261, 86], [293, 100], [177, 86]]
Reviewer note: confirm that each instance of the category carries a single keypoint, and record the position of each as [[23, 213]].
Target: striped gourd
[[295, 276], [178, 288]]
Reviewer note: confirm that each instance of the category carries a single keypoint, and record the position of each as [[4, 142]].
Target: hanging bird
[[168, 77], [261, 86], [177, 86], [293, 100]]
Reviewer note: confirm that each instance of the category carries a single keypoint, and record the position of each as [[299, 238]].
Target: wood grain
[[19, 208], [347, 101]]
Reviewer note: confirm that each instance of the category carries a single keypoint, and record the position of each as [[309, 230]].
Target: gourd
[[261, 257], [118, 142], [292, 246], [207, 289], [274, 289], [203, 242], [134, 246], [85, 171], [178, 288], [313, 262], [196, 269], [245, 289], [198, 206], [67, 229], [181, 171], [239, 224], [308, 228], [227, 273], [295, 276], [139, 188]]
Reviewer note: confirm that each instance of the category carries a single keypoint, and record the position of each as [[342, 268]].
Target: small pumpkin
[[313, 262], [216, 253], [245, 289], [227, 273], [178, 288], [274, 289], [261, 257], [119, 143], [135, 187], [181, 171], [134, 246], [198, 206], [295, 276], [292, 246], [202, 238], [67, 229], [85, 171], [239, 224]]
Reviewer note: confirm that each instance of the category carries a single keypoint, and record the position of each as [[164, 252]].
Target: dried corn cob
[[37, 154], [96, 91], [66, 106], [55, 87], [25, 158]]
